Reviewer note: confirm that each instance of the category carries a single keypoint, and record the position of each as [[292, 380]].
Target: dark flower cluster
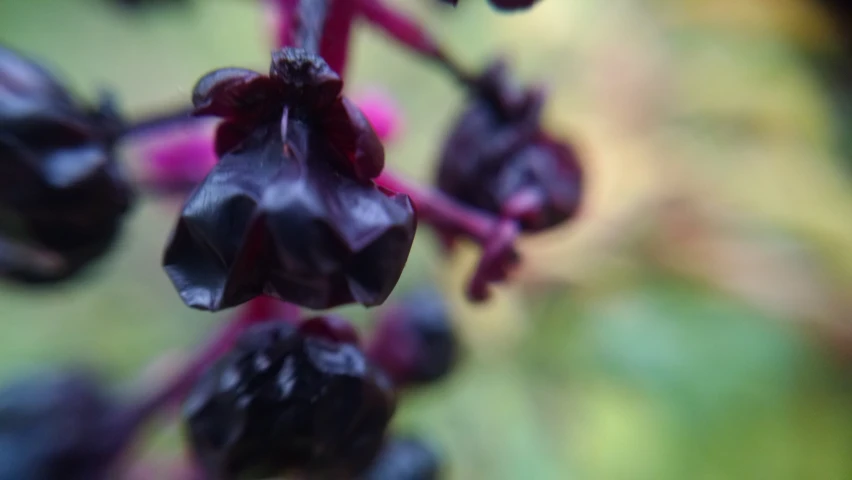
[[415, 340], [62, 193], [58, 425], [291, 209], [288, 399], [498, 159], [288, 206], [304, 397]]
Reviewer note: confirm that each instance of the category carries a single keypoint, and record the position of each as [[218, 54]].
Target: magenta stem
[[301, 23], [176, 387], [408, 32], [262, 309], [438, 209], [336, 27], [334, 47], [309, 23], [286, 10], [256, 311], [159, 121], [495, 234]]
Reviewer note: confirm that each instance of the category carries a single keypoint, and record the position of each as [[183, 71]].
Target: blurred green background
[[694, 322]]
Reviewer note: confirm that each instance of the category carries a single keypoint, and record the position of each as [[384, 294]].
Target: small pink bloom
[[383, 112]]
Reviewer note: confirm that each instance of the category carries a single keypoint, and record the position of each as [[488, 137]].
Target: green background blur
[[692, 323]]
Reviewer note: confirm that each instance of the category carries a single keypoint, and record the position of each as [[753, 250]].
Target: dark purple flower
[[414, 341], [146, 3], [289, 399], [497, 158], [506, 5], [511, 5], [61, 189], [405, 458], [291, 209], [58, 426]]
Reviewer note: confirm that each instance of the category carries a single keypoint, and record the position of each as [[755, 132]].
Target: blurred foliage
[[693, 322]]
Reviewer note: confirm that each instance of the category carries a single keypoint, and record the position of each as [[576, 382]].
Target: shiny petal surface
[[272, 219], [284, 401]]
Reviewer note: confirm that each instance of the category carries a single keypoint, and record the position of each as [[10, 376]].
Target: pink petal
[[383, 112]]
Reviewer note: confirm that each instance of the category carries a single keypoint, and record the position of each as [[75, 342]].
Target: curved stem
[[438, 209], [284, 11], [301, 23], [310, 20], [495, 234], [256, 311], [162, 120], [177, 386], [130, 420], [412, 35]]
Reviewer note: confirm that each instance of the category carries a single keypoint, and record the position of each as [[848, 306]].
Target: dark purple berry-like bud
[[415, 341], [506, 5], [58, 426], [404, 458], [145, 3], [497, 158], [290, 210], [61, 190], [511, 5], [288, 400]]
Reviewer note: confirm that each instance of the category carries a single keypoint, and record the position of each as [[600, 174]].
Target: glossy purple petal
[[284, 401], [290, 210], [349, 131], [232, 92], [273, 219]]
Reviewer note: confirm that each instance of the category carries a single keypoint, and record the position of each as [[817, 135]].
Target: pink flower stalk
[[179, 161], [334, 47]]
